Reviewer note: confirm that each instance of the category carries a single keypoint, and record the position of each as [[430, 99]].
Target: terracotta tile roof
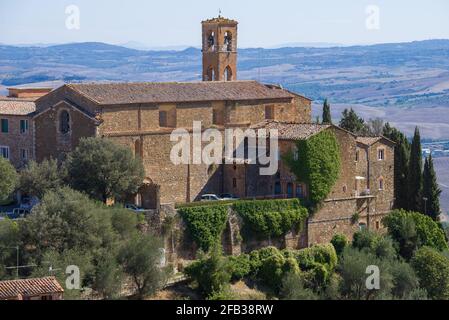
[[29, 287], [18, 107], [175, 92], [292, 131], [368, 140]]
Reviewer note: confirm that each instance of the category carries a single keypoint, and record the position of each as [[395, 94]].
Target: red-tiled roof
[[18, 107], [368, 140], [29, 287], [290, 130], [176, 92]]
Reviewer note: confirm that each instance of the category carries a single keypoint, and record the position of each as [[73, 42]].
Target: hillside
[[381, 80]]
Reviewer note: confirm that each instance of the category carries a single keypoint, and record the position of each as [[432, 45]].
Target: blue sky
[[263, 23]]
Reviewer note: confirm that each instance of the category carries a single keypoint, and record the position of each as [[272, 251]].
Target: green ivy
[[271, 217], [205, 223], [318, 164]]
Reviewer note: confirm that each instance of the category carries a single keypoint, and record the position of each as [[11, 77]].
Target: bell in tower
[[219, 49]]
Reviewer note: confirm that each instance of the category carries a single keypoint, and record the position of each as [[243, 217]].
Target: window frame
[[66, 122], [4, 123], [26, 127], [8, 152], [381, 154]]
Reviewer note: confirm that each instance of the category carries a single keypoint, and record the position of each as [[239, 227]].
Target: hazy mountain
[[383, 79]]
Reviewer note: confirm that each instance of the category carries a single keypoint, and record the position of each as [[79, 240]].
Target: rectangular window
[[163, 119], [269, 112], [357, 153], [381, 154], [299, 191], [23, 126], [5, 125], [381, 184], [24, 154], [4, 152], [234, 183]]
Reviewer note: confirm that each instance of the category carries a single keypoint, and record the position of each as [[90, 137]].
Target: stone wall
[[17, 141]]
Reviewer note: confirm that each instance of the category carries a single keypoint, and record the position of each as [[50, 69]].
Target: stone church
[[143, 115]]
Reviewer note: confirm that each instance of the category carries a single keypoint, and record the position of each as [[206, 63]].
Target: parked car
[[29, 202], [210, 197], [134, 208], [228, 196], [18, 213]]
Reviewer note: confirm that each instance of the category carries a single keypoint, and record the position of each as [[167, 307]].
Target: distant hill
[[379, 79]]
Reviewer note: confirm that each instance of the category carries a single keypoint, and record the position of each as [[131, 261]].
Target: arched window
[[228, 41], [210, 74], [381, 184], [228, 74], [64, 122], [211, 39], [137, 149]]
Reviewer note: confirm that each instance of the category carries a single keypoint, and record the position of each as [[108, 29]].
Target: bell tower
[[219, 49]]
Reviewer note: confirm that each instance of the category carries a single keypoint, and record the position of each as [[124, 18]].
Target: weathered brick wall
[[50, 142], [16, 140]]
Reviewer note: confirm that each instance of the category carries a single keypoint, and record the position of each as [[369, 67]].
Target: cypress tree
[[431, 191], [415, 175], [327, 119], [401, 159], [352, 122]]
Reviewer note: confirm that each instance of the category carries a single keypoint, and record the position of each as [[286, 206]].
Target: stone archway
[[149, 194]]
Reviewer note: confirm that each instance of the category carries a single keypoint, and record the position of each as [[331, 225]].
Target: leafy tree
[[431, 191], [405, 280], [108, 275], [9, 239], [211, 272], [318, 164], [140, 258], [352, 269], [352, 122], [55, 263], [401, 160], [374, 243], [36, 179], [8, 178], [65, 219], [339, 241], [412, 230], [432, 269], [293, 288], [415, 175], [104, 169], [327, 119], [375, 127]]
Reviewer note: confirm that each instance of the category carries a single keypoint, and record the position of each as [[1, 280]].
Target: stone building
[[142, 116], [16, 124], [47, 288]]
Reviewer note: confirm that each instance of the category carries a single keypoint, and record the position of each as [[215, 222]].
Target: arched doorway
[[228, 74], [149, 195]]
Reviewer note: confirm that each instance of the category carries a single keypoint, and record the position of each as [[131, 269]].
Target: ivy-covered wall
[[317, 164], [263, 218]]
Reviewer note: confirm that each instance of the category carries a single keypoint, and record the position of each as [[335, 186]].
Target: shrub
[[339, 241], [293, 288], [211, 273], [319, 254], [380, 246], [432, 269], [240, 266], [205, 224], [271, 217], [412, 230]]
